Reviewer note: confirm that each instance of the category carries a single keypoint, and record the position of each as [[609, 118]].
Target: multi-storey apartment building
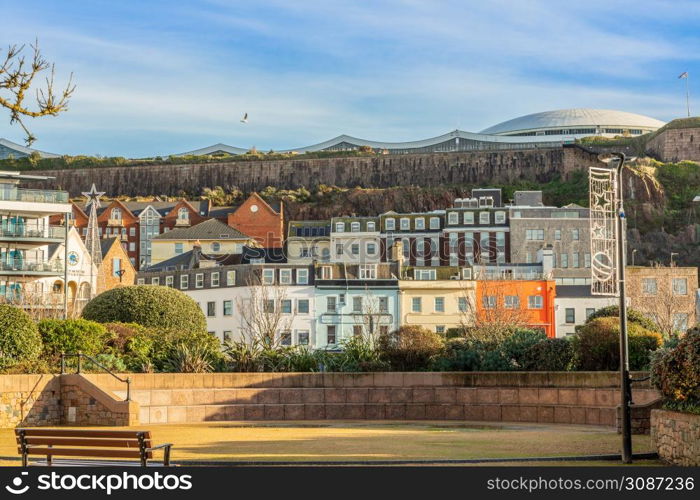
[[27, 238], [354, 300], [355, 240], [242, 302], [534, 227], [308, 242]]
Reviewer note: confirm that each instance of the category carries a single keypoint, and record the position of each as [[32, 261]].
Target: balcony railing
[[53, 232], [33, 195], [30, 266], [115, 222]]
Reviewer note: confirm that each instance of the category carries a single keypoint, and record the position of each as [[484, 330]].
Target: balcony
[[33, 195], [182, 222], [19, 232], [21, 266], [115, 222]]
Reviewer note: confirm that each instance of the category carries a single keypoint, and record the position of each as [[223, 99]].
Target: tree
[[16, 78], [262, 315], [370, 314], [494, 312]]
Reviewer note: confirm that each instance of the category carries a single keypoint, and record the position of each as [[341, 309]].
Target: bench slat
[[38, 431], [106, 443], [85, 452]]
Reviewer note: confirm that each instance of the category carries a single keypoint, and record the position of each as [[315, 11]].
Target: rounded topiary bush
[[633, 316], [20, 341], [72, 335], [147, 305], [410, 347], [597, 345]]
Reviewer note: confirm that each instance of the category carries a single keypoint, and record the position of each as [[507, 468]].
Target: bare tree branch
[[16, 79]]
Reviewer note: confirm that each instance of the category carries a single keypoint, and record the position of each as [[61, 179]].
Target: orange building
[[257, 219], [529, 302]]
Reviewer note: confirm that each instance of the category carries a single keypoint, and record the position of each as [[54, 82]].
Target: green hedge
[[72, 335], [676, 371], [20, 341]]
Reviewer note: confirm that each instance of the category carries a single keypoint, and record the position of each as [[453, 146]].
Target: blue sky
[[158, 77]]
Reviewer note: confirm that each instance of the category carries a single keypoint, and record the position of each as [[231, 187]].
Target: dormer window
[[355, 227], [117, 214], [183, 214]]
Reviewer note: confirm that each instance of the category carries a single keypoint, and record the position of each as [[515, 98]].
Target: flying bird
[[245, 118]]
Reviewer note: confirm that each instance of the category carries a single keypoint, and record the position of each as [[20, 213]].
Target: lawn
[[373, 441]]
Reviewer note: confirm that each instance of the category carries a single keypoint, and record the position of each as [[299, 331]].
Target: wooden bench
[[101, 444]]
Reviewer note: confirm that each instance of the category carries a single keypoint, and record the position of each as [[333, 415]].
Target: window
[[339, 249], [303, 306], [286, 305], [303, 337], [285, 276], [183, 214], [488, 301], [589, 312], [169, 281], [116, 214], [484, 218], [649, 286], [390, 224], [355, 227], [680, 286], [286, 338], [268, 306], [439, 304], [564, 260], [512, 302], [139, 281], [339, 227], [227, 335], [215, 279], [425, 274], [184, 282], [331, 304], [453, 218], [574, 234], [230, 278], [440, 329], [211, 309], [500, 217], [420, 223], [330, 334], [570, 315], [535, 302], [466, 273], [534, 234], [416, 304], [368, 272], [405, 224], [469, 217], [680, 322], [326, 272], [462, 305], [371, 226], [355, 249], [228, 308], [199, 280], [132, 231], [557, 234], [116, 266], [357, 330], [268, 276], [357, 304], [575, 262], [216, 246], [132, 247], [302, 276], [178, 248], [587, 260], [383, 304], [155, 281], [371, 248]]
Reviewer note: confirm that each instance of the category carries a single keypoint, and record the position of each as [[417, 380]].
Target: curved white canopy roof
[[576, 117]]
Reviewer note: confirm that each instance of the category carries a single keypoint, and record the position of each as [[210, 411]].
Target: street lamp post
[[634, 251]]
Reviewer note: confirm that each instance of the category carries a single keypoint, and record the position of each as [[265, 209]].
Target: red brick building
[[256, 218]]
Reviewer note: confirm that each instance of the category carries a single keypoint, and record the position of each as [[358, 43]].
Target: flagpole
[[687, 94]]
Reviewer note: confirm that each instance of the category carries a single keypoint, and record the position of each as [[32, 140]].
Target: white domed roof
[[576, 117]]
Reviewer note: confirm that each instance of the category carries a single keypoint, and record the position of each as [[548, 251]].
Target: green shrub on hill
[[20, 342]]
